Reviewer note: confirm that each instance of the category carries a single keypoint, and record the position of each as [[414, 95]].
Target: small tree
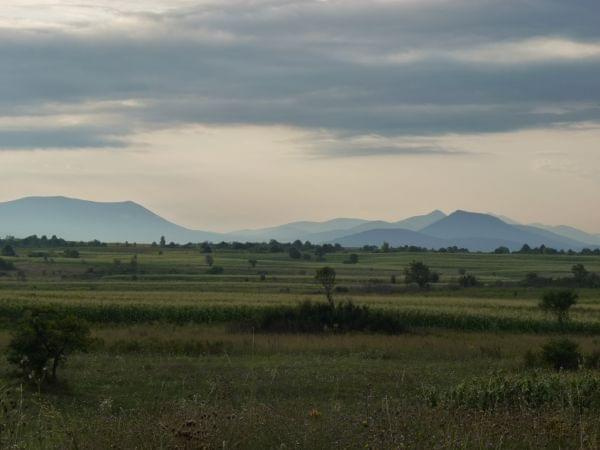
[[467, 280], [352, 259], [326, 277], [559, 303], [163, 241], [6, 265], [580, 273], [209, 260], [8, 250], [295, 253], [43, 340], [419, 273], [206, 248], [385, 247], [252, 262]]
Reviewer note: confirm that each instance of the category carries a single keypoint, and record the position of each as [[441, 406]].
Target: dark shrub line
[[181, 314]]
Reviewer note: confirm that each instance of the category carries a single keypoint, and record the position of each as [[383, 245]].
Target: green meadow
[[170, 367]]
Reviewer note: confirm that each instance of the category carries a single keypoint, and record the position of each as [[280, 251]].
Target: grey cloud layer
[[353, 68]]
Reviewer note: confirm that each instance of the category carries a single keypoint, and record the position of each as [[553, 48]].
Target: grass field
[[169, 368]]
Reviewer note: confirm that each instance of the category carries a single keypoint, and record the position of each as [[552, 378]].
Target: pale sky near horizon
[[222, 115]]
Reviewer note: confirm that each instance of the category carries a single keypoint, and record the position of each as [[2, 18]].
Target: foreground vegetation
[[184, 356]]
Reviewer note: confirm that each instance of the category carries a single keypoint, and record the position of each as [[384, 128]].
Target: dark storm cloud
[[392, 68]]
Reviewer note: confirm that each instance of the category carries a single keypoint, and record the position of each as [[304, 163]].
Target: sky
[[222, 115]]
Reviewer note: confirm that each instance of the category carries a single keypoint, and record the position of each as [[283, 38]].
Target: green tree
[[326, 277], [6, 265], [209, 260], [352, 259], [580, 273], [295, 253], [559, 303], [8, 250], [385, 247], [253, 262], [419, 273], [42, 342], [163, 241]]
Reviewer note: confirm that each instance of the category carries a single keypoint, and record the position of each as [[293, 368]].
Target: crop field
[[177, 360]]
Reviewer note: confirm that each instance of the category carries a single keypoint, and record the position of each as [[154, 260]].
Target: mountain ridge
[[77, 219]]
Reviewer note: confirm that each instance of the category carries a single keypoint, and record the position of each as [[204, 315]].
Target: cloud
[[59, 138], [395, 69]]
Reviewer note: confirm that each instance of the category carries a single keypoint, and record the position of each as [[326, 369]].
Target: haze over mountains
[[76, 219]]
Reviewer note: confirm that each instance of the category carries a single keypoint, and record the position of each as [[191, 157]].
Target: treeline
[[543, 250], [582, 278], [295, 249], [35, 241]]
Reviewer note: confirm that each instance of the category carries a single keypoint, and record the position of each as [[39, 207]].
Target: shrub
[[6, 265], [352, 259], [294, 253], [8, 250], [419, 273], [561, 354], [43, 340], [71, 253], [311, 317], [467, 280], [215, 270], [559, 303], [532, 279]]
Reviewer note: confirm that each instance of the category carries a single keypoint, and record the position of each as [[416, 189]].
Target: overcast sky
[[231, 114]]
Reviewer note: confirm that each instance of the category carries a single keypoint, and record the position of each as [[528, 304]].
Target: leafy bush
[[467, 280], [559, 303], [311, 317], [71, 253], [8, 250], [419, 273], [6, 265], [215, 270], [294, 253], [43, 340], [352, 259], [561, 354]]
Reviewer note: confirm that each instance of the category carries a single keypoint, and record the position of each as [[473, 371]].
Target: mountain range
[[83, 220]]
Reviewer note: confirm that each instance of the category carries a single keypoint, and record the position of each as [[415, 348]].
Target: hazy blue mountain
[[571, 233], [302, 230], [475, 231], [506, 219], [85, 220], [463, 226], [394, 237], [319, 232], [127, 221], [417, 223]]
